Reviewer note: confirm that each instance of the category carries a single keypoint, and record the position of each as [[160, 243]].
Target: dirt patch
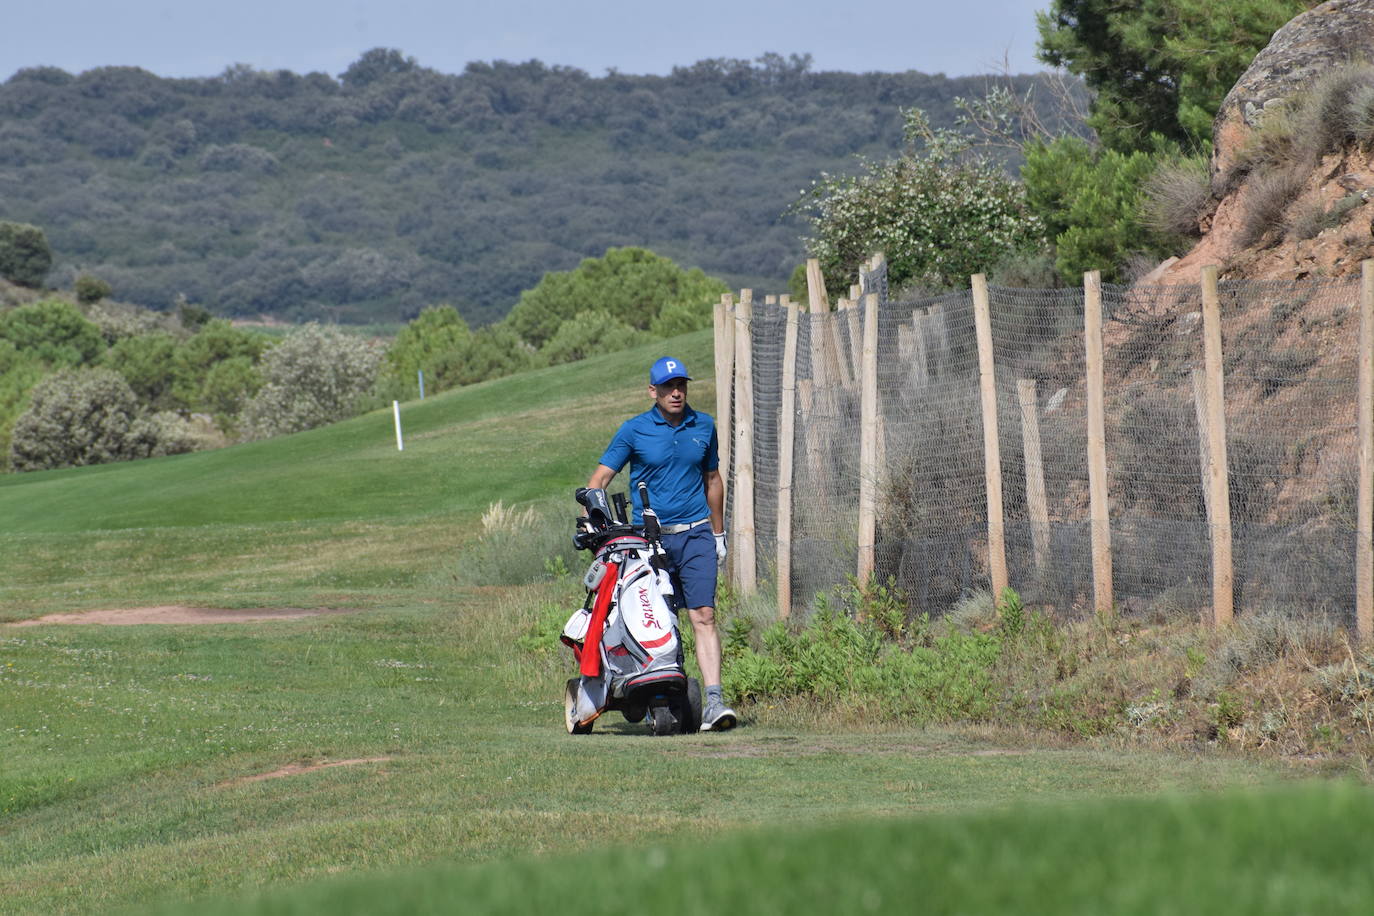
[[178, 614], [293, 769]]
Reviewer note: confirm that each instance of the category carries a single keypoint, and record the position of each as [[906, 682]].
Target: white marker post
[[396, 409], [421, 374]]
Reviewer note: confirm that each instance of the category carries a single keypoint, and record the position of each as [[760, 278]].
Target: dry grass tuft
[[1177, 195], [1271, 192], [507, 519]]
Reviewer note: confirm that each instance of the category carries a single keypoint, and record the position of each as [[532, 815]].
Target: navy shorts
[[692, 563]]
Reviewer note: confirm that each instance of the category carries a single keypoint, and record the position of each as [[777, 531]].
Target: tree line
[[370, 195]]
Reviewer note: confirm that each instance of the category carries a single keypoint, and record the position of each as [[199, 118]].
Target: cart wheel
[[689, 715], [570, 709], [664, 722]]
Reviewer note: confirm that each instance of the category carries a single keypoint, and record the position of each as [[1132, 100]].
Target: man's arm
[[715, 500], [601, 478]]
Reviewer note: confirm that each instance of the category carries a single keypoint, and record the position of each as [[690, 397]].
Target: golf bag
[[625, 636]]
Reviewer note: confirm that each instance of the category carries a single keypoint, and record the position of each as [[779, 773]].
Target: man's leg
[[693, 555], [708, 643], [715, 715]]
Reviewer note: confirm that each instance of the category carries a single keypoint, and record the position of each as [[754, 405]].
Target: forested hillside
[[368, 196]]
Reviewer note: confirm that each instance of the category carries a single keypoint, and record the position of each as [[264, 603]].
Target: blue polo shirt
[[672, 460]]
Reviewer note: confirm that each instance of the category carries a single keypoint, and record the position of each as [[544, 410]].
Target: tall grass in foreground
[[1297, 850]]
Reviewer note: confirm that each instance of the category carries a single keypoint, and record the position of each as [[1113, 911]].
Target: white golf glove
[[720, 546]]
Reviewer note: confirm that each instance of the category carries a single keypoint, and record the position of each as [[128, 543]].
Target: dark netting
[[1042, 399], [932, 506], [1291, 370], [767, 329], [1290, 364], [1161, 553]]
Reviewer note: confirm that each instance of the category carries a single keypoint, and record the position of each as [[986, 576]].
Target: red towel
[[591, 646]]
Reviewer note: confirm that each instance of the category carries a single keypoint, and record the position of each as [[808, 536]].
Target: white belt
[[685, 526]]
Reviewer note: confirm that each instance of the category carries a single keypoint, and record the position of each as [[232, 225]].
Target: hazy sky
[[202, 37]]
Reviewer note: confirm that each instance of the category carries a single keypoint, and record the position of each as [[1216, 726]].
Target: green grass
[[1292, 851], [123, 745], [124, 750]]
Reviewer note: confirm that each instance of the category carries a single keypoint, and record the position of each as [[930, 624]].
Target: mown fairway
[[126, 752]]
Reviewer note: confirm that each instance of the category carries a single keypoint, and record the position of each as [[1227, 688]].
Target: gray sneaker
[[717, 717]]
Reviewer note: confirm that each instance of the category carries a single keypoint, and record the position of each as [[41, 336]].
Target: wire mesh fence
[[1290, 379]]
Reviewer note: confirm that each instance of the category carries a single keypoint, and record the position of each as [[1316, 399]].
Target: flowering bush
[[317, 375], [91, 416], [939, 213]]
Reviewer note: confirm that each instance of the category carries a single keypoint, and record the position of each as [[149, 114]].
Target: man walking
[[673, 449]]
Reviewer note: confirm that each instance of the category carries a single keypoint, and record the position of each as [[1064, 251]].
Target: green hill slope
[[68, 535]]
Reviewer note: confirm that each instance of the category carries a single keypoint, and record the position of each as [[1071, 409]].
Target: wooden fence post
[[1203, 450], [1036, 502], [819, 400], [825, 334], [1223, 601], [786, 435], [1364, 543], [869, 458], [725, 375], [992, 458], [1097, 445], [849, 308], [746, 569]]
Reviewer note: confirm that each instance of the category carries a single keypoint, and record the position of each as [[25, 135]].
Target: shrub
[[1294, 133], [1334, 111], [1271, 191], [146, 362], [229, 386], [517, 547], [437, 331], [316, 376], [18, 374], [587, 334], [90, 290], [1311, 217], [939, 213], [490, 352], [926, 677], [1176, 196], [238, 157], [633, 285], [216, 342], [682, 317], [1360, 112], [25, 257], [54, 331], [1261, 638], [192, 317], [1025, 270], [91, 416], [117, 321], [1090, 201]]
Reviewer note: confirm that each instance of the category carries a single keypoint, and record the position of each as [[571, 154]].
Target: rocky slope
[[1326, 195]]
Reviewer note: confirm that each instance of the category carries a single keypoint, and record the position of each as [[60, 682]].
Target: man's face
[[671, 396]]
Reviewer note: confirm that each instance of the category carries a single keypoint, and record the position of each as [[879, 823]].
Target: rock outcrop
[[1317, 42], [1313, 43]]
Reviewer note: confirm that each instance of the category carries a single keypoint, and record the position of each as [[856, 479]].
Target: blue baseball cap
[[665, 369]]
